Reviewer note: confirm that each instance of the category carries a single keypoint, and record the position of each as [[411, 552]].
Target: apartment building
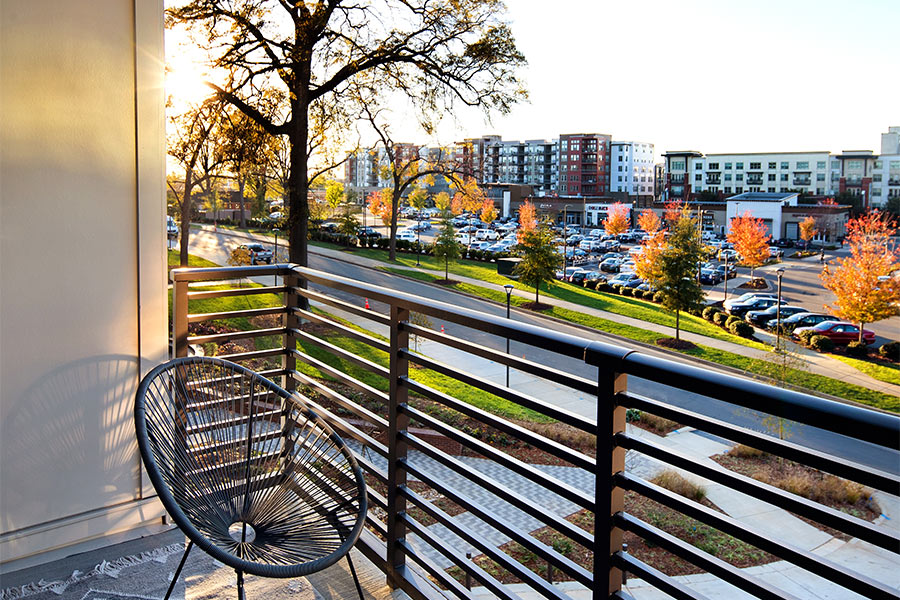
[[584, 164], [542, 166], [632, 176]]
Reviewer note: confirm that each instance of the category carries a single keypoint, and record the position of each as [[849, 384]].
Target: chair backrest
[[249, 473]]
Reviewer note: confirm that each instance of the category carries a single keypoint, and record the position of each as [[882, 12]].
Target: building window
[[785, 165], [698, 177], [727, 166], [854, 164], [820, 176], [878, 164], [772, 165], [728, 190], [802, 164], [727, 176], [876, 192], [894, 165], [784, 177], [755, 166], [771, 176], [876, 177], [739, 165], [698, 166], [678, 165], [739, 177], [820, 164], [738, 190], [620, 168], [620, 178], [771, 190], [713, 167]]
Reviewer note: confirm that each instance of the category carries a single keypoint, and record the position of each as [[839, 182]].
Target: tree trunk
[[446, 267], [861, 332], [395, 210], [298, 213], [677, 324], [537, 294], [241, 200], [186, 217]]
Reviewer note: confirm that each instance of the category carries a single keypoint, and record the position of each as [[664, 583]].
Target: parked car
[[594, 276], [611, 265], [710, 277], [804, 319], [610, 245], [479, 245], [761, 318], [565, 275], [463, 238], [578, 277], [776, 252], [171, 227], [486, 235], [784, 243], [745, 297], [727, 253], [742, 308], [368, 233], [839, 332], [257, 253], [626, 279], [420, 225], [732, 270], [506, 227], [590, 245], [407, 235]]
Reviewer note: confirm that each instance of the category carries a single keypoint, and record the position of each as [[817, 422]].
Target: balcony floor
[[141, 569]]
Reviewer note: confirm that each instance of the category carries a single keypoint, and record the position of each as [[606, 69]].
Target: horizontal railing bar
[[256, 439], [225, 466], [337, 422], [660, 580], [252, 354], [235, 335], [247, 291], [555, 448], [365, 313], [539, 406], [454, 555], [854, 526], [344, 330], [340, 376], [232, 421], [527, 506], [712, 564], [767, 443], [344, 402], [504, 560], [373, 470], [863, 424], [439, 574], [561, 488], [539, 337], [823, 567], [343, 354], [581, 384], [213, 273], [236, 314]]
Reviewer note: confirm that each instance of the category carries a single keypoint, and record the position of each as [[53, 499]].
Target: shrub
[[743, 451], [857, 349], [732, 319], [710, 311], [627, 291], [806, 336], [617, 288], [719, 318], [821, 343], [649, 295], [602, 286], [890, 350], [674, 482], [632, 415], [741, 328], [658, 297]]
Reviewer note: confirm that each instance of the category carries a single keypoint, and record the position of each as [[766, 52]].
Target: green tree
[[676, 272], [438, 54], [539, 259], [243, 148], [214, 205], [445, 245], [334, 194], [347, 223]]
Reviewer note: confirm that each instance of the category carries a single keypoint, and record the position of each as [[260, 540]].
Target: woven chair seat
[[248, 472]]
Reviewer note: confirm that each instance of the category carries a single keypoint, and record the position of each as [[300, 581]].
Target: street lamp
[[565, 241], [726, 277], [780, 273], [509, 288]]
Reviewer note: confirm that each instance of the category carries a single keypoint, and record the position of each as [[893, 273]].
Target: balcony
[[801, 181], [449, 479]]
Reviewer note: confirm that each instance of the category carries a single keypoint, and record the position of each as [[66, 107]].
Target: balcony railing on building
[[429, 451]]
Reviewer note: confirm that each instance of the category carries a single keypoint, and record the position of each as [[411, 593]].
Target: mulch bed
[[537, 306], [674, 344], [757, 283]]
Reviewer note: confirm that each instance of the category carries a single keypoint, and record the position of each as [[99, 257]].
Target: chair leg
[[355, 577], [240, 585], [178, 570]]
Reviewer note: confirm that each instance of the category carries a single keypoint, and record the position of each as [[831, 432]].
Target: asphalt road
[[215, 248]]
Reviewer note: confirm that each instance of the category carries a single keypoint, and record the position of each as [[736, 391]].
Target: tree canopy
[[749, 237], [616, 221], [539, 259], [439, 54]]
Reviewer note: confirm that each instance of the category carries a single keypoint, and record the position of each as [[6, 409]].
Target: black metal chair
[[247, 471]]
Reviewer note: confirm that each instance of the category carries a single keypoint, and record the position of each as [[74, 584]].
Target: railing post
[[292, 323], [610, 499], [179, 318], [397, 425]]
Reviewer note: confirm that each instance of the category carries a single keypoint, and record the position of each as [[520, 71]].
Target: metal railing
[[413, 430]]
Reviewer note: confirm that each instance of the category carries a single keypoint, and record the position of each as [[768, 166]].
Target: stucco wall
[[82, 294]]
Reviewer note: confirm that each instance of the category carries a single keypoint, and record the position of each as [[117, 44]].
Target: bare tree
[[438, 54]]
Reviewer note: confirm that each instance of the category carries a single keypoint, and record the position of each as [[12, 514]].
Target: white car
[[479, 245], [486, 235], [407, 235], [590, 245], [463, 238]]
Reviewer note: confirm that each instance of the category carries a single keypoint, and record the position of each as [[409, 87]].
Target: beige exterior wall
[[82, 264]]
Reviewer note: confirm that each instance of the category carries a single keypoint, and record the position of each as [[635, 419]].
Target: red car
[[839, 332]]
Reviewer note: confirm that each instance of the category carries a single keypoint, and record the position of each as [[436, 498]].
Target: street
[[215, 247]]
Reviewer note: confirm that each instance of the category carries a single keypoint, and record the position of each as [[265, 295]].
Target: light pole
[[418, 237], [726, 278], [565, 242], [780, 273], [509, 288]]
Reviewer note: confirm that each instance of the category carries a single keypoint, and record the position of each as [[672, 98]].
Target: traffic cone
[[442, 329], [367, 304]]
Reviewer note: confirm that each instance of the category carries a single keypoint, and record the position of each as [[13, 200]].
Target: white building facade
[[631, 170]]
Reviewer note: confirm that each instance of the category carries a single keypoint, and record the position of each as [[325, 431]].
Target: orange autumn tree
[[649, 221], [616, 221], [527, 217], [673, 211], [807, 229], [469, 197], [749, 237], [381, 204], [488, 211], [863, 285]]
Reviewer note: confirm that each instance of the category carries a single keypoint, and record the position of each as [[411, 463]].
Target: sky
[[708, 75]]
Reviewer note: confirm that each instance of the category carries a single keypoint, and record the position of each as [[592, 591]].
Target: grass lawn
[[882, 372], [193, 261], [796, 377]]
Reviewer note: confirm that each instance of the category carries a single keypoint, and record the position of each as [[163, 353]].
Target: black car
[[732, 271], [579, 277], [804, 319], [368, 232], [611, 265], [784, 243], [709, 277], [761, 318], [742, 308]]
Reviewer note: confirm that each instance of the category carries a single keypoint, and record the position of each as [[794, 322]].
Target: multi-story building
[[631, 171], [472, 152], [584, 164], [510, 162], [361, 170], [542, 166]]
